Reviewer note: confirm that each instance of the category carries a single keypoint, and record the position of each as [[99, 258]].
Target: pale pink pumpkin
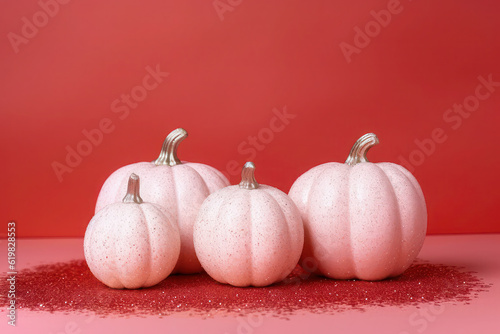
[[248, 234], [361, 220], [179, 187], [131, 244]]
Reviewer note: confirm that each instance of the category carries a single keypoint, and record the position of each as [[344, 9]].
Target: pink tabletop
[[479, 253]]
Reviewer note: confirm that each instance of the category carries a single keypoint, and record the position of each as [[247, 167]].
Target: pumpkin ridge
[[250, 200], [309, 191], [201, 177], [150, 253], [219, 219], [90, 247], [416, 187], [220, 176], [174, 184], [399, 226], [352, 263], [411, 180], [197, 176], [311, 188], [171, 172], [114, 272], [304, 211], [289, 237], [212, 169], [315, 182]]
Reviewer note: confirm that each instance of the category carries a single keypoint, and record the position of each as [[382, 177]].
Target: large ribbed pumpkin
[[249, 234], [179, 187], [361, 219]]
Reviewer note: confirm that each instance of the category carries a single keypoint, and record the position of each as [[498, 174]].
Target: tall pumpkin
[[179, 187], [361, 219]]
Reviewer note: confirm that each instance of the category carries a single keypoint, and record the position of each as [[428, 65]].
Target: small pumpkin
[[361, 219], [179, 187], [131, 244], [248, 234]]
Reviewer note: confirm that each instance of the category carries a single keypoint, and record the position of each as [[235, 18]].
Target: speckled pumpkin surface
[[361, 219], [179, 187], [131, 244], [248, 234]]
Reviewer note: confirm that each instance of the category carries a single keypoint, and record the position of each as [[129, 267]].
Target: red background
[[226, 76]]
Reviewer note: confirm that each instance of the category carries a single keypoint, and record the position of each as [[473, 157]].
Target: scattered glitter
[[71, 287]]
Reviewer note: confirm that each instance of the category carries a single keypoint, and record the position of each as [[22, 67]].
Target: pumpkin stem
[[360, 148], [248, 177], [168, 154], [132, 195]]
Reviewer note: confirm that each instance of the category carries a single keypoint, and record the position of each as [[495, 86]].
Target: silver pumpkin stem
[[248, 177], [360, 148], [133, 195], [168, 154]]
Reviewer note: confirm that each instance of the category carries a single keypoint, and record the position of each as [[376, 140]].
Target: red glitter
[[71, 287]]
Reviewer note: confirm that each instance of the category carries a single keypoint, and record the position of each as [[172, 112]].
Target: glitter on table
[[454, 287], [70, 287]]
